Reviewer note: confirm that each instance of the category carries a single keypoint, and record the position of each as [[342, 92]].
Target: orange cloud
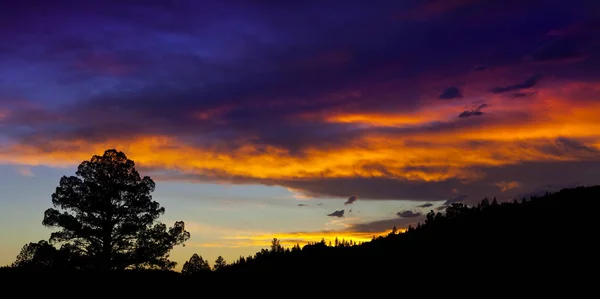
[[505, 186], [423, 116], [424, 155]]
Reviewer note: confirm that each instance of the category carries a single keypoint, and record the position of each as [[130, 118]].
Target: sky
[[297, 120]]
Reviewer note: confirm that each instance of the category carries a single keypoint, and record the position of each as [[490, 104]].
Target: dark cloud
[[570, 44], [351, 200], [569, 144], [302, 205], [425, 205], [339, 213], [386, 224], [558, 50], [454, 199], [476, 111], [452, 92], [408, 214], [479, 68], [377, 188], [529, 83]]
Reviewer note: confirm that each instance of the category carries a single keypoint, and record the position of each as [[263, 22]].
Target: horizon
[[298, 121]]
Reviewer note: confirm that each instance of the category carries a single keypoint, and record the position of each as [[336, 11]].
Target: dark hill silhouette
[[537, 235], [546, 237]]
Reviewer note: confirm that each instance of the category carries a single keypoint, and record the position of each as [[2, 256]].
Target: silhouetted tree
[[430, 217], [220, 263], [485, 203], [296, 248], [276, 246], [36, 254], [106, 212], [455, 209], [195, 265]]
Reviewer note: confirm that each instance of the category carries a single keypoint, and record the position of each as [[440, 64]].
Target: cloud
[[351, 200], [408, 214], [558, 50], [452, 92], [528, 83], [25, 171], [385, 225], [299, 194], [570, 44], [505, 186], [479, 68], [339, 213], [473, 112], [302, 205], [425, 205], [455, 199], [348, 105]]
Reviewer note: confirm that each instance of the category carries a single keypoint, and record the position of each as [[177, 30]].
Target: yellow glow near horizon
[[290, 239]]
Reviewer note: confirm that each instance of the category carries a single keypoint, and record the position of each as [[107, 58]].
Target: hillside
[[538, 234], [549, 235]]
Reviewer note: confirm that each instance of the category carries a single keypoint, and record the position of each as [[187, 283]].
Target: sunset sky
[[297, 119]]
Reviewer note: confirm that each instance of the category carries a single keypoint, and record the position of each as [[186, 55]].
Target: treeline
[[522, 234]]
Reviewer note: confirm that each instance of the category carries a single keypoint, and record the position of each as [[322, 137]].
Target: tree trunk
[[105, 259], [107, 240]]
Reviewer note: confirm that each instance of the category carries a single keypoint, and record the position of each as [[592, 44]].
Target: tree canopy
[[220, 263], [195, 265], [40, 254], [106, 214]]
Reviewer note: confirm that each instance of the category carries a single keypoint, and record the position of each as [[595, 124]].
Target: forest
[[108, 226]]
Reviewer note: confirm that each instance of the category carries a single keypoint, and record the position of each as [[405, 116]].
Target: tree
[[43, 255], [456, 209], [430, 217], [40, 254], [276, 246], [296, 248], [220, 263], [106, 213], [196, 264]]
